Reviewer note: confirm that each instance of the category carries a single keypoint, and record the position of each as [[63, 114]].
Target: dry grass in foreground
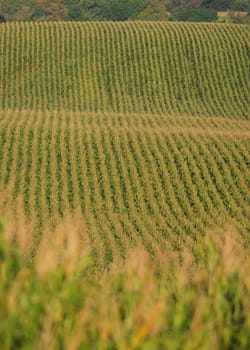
[[183, 300]]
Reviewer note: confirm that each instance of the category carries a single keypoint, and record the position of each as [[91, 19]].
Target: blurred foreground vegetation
[[59, 299]]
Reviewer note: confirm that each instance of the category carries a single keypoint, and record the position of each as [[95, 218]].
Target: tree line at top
[[120, 10]]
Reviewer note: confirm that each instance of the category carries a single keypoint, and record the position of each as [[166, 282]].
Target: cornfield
[[130, 177], [140, 67], [137, 135]]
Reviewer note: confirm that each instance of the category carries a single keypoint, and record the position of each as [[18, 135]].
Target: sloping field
[[141, 128], [131, 177], [140, 67], [120, 136]]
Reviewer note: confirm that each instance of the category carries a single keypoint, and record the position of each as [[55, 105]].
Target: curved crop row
[[141, 67], [132, 178]]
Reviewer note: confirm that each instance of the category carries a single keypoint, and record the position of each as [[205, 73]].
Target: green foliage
[[194, 15], [11, 9], [38, 12], [241, 5], [24, 10], [116, 10], [9, 6], [54, 10], [85, 10], [156, 10], [75, 12], [60, 300], [227, 5], [121, 10]]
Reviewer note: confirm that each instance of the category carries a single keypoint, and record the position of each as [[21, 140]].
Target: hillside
[[139, 67], [132, 177], [120, 136], [139, 127]]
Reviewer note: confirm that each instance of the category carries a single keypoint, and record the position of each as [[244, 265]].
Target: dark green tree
[[121, 10], [194, 15]]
